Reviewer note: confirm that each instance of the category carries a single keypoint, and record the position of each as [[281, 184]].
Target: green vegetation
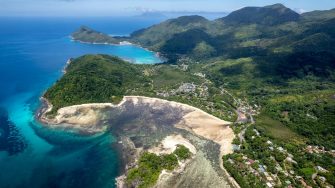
[[241, 175], [85, 34], [147, 172], [277, 130], [268, 15], [92, 79], [264, 157], [150, 166], [310, 114], [182, 152], [274, 59], [291, 44], [155, 36], [103, 78]]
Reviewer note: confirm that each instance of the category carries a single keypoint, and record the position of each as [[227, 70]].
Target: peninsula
[[88, 35], [119, 88]]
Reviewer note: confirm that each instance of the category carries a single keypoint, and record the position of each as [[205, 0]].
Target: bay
[[33, 53]]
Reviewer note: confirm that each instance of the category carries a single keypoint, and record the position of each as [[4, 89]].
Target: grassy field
[[277, 130]]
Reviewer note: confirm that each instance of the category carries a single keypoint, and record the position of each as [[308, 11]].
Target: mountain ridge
[[202, 39], [268, 15]]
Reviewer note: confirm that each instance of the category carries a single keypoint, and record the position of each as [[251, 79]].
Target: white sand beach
[[86, 116]]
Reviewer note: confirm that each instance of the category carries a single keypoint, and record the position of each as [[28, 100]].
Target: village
[[279, 169]]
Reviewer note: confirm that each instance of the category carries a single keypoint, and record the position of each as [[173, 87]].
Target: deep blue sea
[[33, 52]]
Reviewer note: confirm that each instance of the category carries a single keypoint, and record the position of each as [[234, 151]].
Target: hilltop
[[268, 15]]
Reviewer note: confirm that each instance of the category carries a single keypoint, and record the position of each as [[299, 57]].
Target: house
[[200, 74], [231, 161], [236, 147], [280, 149], [251, 161], [319, 168], [269, 184], [309, 149], [279, 168], [187, 88], [288, 182], [303, 183], [269, 178], [257, 133], [261, 168], [323, 179], [289, 159]]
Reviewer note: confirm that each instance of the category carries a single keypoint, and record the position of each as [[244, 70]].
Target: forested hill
[[268, 15], [298, 44], [86, 34]]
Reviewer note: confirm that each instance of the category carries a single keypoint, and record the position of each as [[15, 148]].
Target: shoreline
[[124, 43], [153, 102], [125, 98], [217, 134], [68, 62]]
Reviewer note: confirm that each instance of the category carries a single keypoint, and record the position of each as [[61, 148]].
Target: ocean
[[33, 53]]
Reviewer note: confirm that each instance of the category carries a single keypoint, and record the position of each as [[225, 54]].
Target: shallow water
[[33, 52]]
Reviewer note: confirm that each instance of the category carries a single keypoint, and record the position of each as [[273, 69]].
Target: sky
[[128, 7]]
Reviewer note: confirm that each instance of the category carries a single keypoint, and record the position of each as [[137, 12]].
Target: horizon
[[113, 8]]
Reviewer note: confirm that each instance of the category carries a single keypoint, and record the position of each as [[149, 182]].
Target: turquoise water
[[33, 53]]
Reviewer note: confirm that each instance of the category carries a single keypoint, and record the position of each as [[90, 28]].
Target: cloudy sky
[[125, 7]]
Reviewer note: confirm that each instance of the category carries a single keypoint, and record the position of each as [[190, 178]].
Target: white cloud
[[117, 7], [300, 10]]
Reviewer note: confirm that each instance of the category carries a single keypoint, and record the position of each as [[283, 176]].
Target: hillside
[[252, 31], [278, 65], [291, 113], [103, 78], [268, 15], [319, 15], [86, 34], [155, 36]]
